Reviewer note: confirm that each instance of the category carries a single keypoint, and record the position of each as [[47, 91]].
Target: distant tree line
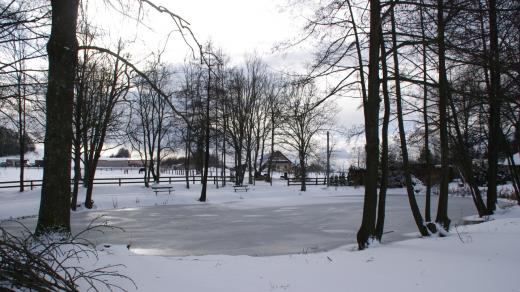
[[121, 153]]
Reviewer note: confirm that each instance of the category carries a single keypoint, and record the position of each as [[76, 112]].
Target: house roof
[[277, 157]]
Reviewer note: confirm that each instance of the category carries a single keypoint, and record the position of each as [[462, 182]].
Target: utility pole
[[328, 160]]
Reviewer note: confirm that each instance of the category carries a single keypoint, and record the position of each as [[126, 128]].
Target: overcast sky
[[238, 27]]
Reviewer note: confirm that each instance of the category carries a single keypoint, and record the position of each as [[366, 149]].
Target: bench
[[158, 189], [240, 188]]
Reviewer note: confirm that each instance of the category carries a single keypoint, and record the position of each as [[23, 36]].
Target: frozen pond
[[231, 229]]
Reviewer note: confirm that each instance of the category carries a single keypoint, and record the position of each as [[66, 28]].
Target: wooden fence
[[31, 184], [308, 181]]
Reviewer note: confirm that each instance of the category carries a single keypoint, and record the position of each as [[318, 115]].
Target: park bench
[[158, 189], [240, 188]]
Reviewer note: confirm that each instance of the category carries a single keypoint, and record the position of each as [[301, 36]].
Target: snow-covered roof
[[278, 157]]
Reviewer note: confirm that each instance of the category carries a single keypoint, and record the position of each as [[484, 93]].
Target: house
[[279, 162], [15, 162]]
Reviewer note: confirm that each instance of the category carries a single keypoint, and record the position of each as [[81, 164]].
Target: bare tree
[[303, 121], [22, 24], [402, 135], [152, 121], [106, 88]]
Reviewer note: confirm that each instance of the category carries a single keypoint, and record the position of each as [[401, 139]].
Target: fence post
[[119, 182], [32, 185], [170, 180], [288, 180]]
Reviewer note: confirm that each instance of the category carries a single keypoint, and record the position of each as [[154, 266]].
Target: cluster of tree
[[23, 28], [96, 98], [448, 69], [121, 153], [9, 143], [243, 111], [179, 163]]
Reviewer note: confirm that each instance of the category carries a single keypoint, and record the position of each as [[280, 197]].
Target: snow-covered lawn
[[14, 204]]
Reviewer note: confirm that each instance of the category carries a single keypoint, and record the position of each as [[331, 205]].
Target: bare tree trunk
[[402, 135], [158, 156], [206, 144], [442, 209], [21, 125], [145, 164], [494, 109], [188, 146], [262, 152], [371, 113], [77, 140], [216, 146], [89, 203], [327, 177], [84, 139], [77, 176], [187, 162], [381, 207], [303, 169], [427, 207], [54, 213], [224, 147], [270, 162], [256, 152], [249, 151]]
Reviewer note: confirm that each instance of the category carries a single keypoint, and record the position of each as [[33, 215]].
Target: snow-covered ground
[[474, 258], [14, 204]]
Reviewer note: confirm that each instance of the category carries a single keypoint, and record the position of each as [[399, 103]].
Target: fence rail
[[31, 184], [118, 181], [308, 181]]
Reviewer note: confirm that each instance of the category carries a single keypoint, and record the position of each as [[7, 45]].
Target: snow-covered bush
[[52, 262]]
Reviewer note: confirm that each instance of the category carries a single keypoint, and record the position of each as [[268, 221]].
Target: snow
[[480, 257], [14, 204]]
